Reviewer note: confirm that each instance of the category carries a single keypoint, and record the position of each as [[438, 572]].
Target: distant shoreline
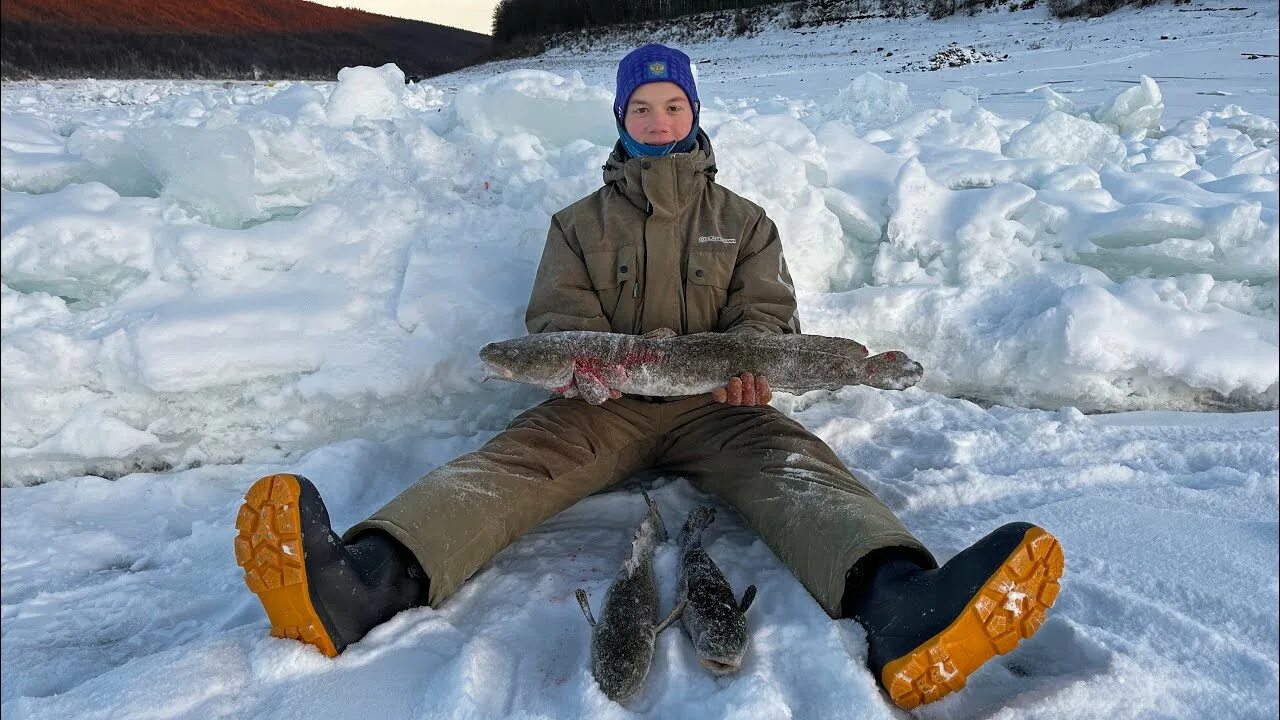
[[228, 40]]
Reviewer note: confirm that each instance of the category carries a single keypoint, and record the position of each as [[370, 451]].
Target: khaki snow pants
[[792, 489]]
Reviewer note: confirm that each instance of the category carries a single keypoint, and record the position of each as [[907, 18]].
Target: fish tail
[[698, 520], [891, 370], [655, 518]]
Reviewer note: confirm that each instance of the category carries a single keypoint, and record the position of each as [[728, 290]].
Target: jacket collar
[[662, 186]]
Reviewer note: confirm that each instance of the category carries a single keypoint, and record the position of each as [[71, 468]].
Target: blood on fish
[[590, 366], [599, 369]]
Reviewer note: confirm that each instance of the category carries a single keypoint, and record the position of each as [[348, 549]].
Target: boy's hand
[[746, 389]]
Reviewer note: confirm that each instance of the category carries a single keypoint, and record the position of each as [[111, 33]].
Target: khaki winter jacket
[[662, 246]]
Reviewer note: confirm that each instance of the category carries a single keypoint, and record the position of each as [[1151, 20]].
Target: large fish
[[664, 364], [715, 620], [622, 640]]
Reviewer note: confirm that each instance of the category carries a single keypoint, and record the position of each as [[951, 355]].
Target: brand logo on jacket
[[718, 239]]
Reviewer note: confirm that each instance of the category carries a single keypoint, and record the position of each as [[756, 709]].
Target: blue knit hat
[[648, 64], [652, 63]]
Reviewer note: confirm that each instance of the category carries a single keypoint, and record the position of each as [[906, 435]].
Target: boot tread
[[268, 546], [1009, 607]]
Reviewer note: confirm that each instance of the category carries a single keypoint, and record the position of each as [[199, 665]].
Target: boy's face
[[658, 114]]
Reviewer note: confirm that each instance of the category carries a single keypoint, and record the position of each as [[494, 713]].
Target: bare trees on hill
[[514, 19], [517, 22]]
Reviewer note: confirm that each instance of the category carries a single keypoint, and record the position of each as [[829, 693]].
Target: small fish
[[715, 621], [622, 640], [664, 364]]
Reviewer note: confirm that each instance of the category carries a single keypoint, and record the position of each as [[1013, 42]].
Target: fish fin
[[586, 609], [748, 597], [676, 612], [659, 334], [660, 530]]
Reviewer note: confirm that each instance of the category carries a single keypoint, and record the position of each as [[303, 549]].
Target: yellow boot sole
[[1009, 606], [269, 548]]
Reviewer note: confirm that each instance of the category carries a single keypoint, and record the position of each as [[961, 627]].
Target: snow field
[[123, 599]]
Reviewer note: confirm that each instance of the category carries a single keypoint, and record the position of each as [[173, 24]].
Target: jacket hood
[[692, 171]]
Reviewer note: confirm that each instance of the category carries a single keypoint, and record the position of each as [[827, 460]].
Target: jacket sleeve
[[761, 296], [563, 297]]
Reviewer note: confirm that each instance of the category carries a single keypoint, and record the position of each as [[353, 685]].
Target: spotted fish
[[715, 621], [622, 640], [664, 364]]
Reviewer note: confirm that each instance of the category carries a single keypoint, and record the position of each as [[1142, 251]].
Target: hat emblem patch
[[657, 69]]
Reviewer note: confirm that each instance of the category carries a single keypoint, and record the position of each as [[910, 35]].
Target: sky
[[474, 15]]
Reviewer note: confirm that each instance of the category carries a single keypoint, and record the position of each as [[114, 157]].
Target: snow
[[368, 93], [1066, 140], [203, 283], [1136, 110], [870, 102]]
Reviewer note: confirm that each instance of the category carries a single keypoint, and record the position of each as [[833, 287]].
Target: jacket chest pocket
[[708, 274], [613, 274]]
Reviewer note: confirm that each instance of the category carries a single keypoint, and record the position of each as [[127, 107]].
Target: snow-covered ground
[[206, 283]]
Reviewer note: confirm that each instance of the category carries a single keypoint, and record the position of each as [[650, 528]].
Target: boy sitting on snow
[[660, 245]]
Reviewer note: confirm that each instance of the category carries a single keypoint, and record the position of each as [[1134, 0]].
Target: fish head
[[721, 666], [619, 688], [526, 360], [721, 642], [621, 652]]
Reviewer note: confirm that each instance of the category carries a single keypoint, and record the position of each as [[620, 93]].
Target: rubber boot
[[928, 630], [315, 587]]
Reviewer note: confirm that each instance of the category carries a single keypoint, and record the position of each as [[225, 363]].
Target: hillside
[[218, 39]]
